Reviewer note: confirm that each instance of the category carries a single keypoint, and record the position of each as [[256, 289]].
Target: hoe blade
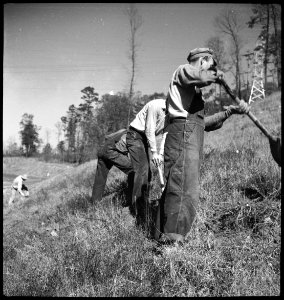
[[275, 147]]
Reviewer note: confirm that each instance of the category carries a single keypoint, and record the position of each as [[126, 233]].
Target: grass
[[233, 248]]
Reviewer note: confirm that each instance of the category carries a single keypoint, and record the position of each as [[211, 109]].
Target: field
[[57, 243]]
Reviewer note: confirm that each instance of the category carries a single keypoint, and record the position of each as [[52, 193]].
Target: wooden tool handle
[[161, 177], [252, 117]]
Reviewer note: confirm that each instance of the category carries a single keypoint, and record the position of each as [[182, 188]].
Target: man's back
[[16, 181]]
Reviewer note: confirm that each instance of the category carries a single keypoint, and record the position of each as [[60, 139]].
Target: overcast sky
[[52, 51]]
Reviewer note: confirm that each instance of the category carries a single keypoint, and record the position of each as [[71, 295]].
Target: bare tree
[[217, 45], [135, 21], [11, 147], [276, 17], [262, 16], [47, 135], [229, 24], [59, 128]]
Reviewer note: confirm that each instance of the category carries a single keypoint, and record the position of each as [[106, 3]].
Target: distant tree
[[113, 114], [216, 43], [47, 152], [89, 96], [86, 111], [230, 25], [275, 39], [157, 96], [87, 129], [69, 126], [135, 21], [29, 135], [268, 18], [140, 100], [47, 135], [61, 149], [80, 127], [11, 148], [59, 129]]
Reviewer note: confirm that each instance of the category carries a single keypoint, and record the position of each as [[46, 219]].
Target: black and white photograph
[[141, 149]]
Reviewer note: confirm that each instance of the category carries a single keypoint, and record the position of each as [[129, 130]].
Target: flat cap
[[199, 52], [25, 176]]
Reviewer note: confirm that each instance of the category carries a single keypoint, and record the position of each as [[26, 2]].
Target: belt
[[136, 130], [140, 133], [178, 120]]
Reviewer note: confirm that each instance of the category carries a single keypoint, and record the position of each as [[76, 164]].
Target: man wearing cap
[[19, 186], [184, 143]]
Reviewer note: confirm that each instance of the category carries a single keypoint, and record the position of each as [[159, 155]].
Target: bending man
[[112, 153], [18, 186]]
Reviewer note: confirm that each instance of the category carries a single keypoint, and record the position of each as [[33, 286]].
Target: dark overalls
[[111, 155], [182, 157], [138, 149]]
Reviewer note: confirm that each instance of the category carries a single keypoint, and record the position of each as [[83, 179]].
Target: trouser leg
[[130, 182], [110, 156], [13, 195], [123, 162], [102, 171], [137, 148], [177, 209]]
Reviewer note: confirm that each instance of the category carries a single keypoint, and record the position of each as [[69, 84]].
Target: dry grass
[[232, 250]]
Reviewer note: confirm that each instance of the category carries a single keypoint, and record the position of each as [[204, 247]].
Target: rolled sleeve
[[20, 184], [215, 121], [150, 127], [187, 75]]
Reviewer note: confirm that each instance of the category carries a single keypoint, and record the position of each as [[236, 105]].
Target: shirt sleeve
[[186, 76], [150, 126], [20, 183], [216, 121]]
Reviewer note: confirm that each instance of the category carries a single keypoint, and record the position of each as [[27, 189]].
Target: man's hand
[[219, 76], [157, 159], [242, 108], [215, 76]]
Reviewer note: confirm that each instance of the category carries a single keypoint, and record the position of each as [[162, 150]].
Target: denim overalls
[[182, 157], [138, 149]]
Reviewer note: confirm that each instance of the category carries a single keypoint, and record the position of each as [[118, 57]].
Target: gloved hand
[[242, 108], [220, 75], [157, 159]]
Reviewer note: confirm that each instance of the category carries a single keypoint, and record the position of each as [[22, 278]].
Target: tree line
[[82, 128]]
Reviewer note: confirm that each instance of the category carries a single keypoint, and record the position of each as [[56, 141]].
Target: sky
[[53, 51]]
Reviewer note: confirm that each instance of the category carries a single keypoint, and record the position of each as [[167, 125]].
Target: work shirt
[[150, 120], [18, 183], [212, 123], [185, 83]]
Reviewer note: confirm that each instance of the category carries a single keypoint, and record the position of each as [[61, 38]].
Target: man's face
[[208, 63]]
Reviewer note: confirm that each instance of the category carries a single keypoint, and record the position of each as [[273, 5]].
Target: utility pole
[[257, 90], [248, 57]]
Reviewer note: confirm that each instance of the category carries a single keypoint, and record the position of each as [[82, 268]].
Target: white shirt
[[151, 119], [17, 183]]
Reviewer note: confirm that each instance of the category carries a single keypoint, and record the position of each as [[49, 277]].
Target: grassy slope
[[233, 248]]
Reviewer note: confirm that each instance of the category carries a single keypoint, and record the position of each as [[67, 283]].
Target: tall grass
[[58, 243]]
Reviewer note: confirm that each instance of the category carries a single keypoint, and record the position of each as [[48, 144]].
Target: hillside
[[57, 243], [36, 170]]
